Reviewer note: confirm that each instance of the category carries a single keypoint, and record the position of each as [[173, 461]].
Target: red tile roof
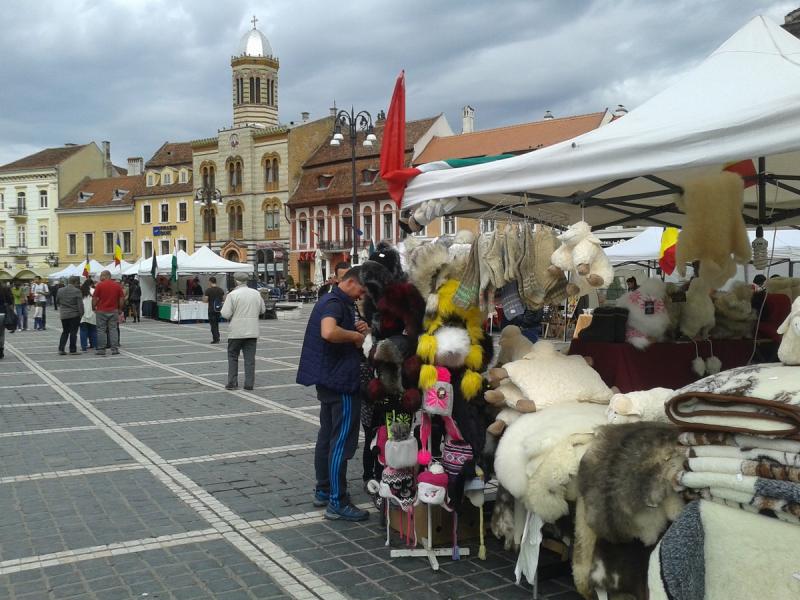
[[100, 193], [335, 161], [513, 139], [171, 154], [49, 157]]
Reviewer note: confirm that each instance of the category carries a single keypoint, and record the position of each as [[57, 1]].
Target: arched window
[[271, 166], [258, 90], [235, 221], [302, 230], [320, 226], [366, 218], [234, 168], [252, 90], [347, 225], [207, 172], [388, 224], [272, 217], [209, 216]]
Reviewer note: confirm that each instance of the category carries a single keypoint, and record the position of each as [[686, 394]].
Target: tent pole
[[762, 189]]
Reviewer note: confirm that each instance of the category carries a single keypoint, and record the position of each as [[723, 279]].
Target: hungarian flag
[[174, 274], [746, 169], [117, 252], [86, 268], [666, 257]]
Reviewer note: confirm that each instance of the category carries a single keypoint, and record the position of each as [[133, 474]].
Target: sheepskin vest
[[333, 366]]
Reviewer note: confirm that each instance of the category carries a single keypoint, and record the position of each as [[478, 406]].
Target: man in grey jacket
[[242, 308], [70, 310]]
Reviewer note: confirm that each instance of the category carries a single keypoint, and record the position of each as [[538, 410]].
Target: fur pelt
[[390, 259], [513, 345], [697, 315], [714, 231], [648, 317], [632, 407], [789, 350], [734, 316], [790, 286], [674, 310], [374, 277], [526, 441], [548, 377], [626, 481], [503, 518], [552, 483], [620, 569], [429, 267]]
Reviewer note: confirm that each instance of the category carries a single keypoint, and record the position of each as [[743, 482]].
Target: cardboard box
[[441, 523]]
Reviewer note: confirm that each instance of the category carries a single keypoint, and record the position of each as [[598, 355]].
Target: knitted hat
[[432, 486]]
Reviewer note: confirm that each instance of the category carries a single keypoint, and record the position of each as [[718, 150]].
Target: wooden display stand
[[427, 549], [441, 522]]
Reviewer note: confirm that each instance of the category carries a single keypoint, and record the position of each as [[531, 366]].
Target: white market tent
[[646, 246], [68, 271], [118, 271], [205, 260], [163, 263], [742, 102]]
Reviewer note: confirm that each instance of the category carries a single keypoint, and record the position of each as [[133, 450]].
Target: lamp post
[[208, 197], [353, 122]]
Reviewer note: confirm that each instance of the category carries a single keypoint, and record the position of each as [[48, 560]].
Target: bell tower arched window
[[234, 168], [235, 220]]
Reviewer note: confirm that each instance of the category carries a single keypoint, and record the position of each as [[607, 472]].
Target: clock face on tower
[[234, 141]]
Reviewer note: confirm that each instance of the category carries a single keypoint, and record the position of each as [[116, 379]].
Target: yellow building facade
[[94, 216], [164, 205]]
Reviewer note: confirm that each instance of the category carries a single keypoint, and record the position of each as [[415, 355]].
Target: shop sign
[[163, 229]]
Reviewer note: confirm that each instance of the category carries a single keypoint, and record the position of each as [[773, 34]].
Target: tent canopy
[[163, 263], [647, 246], [205, 260], [742, 102]]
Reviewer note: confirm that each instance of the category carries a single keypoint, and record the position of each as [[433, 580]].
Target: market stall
[[623, 488]]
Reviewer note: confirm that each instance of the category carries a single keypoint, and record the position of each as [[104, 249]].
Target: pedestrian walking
[[70, 310], [54, 291], [242, 307], [40, 292], [20, 295], [6, 305], [330, 360], [88, 327], [214, 297], [134, 299], [107, 302]]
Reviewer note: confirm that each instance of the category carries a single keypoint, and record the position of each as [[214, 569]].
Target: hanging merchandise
[[432, 487], [511, 252], [714, 231], [401, 447], [648, 319], [439, 398], [760, 250], [538, 285], [697, 314], [582, 256], [468, 290]]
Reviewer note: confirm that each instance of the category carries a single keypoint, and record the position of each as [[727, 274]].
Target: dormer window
[[324, 182], [167, 178], [118, 195], [184, 176], [150, 180], [84, 196], [368, 176]]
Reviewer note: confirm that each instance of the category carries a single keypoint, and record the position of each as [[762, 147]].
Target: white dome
[[254, 43]]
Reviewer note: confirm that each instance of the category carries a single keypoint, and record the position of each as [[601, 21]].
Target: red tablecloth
[[661, 365]]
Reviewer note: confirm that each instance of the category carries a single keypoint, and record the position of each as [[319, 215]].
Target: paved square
[[140, 476]]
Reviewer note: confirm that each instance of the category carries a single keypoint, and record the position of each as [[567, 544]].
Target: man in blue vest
[[330, 360]]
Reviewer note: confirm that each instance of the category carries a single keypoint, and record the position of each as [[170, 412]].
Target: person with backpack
[[20, 295], [214, 297]]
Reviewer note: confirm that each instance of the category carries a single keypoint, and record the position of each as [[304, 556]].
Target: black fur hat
[[389, 258]]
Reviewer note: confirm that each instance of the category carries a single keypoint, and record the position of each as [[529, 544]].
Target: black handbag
[[11, 320]]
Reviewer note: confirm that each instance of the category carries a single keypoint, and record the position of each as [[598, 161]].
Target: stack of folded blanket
[[741, 432]]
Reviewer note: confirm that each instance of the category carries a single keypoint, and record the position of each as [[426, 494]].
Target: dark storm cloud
[[140, 73]]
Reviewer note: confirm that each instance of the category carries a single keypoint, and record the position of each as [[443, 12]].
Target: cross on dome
[[254, 21]]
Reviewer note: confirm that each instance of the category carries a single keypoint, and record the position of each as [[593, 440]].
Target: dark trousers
[[213, 321], [69, 329], [247, 346], [44, 312], [370, 463], [88, 336], [339, 416]]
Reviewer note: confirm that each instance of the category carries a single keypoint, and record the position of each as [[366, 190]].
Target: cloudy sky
[[140, 72]]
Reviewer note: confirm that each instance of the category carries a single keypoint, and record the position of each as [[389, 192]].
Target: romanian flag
[[666, 257], [86, 269], [117, 252]]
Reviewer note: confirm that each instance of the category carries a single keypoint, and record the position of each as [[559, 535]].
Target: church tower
[[255, 81]]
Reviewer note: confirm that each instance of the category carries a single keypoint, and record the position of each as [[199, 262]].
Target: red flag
[[746, 169], [393, 145]]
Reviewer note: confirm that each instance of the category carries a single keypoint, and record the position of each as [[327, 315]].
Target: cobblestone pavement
[[140, 476]]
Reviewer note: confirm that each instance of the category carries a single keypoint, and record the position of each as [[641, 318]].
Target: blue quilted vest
[[333, 366]]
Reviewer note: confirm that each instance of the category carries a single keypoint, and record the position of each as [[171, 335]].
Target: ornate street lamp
[[353, 122], [51, 260], [208, 197]]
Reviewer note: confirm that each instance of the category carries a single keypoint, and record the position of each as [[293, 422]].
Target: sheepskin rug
[[548, 378], [528, 440]]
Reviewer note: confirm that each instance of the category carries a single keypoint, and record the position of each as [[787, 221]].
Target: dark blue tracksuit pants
[[339, 417]]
